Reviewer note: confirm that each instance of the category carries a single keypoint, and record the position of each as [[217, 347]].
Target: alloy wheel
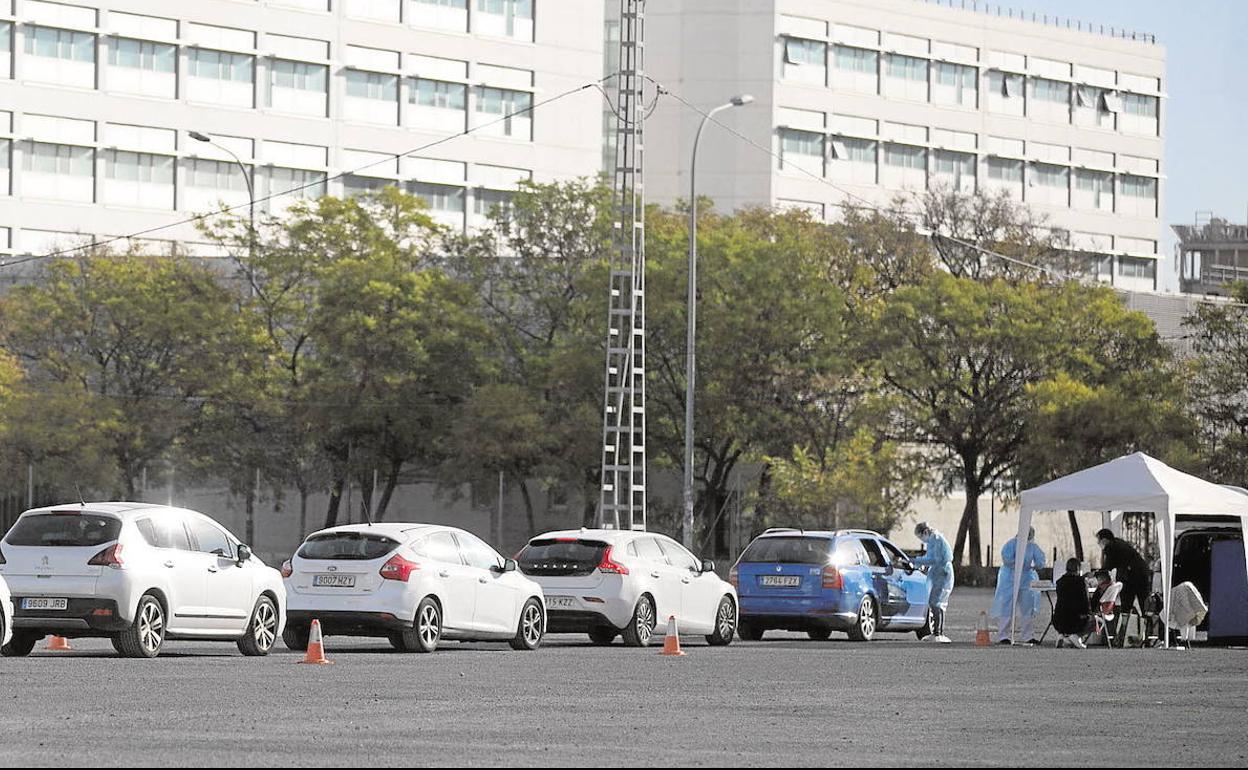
[[427, 625], [532, 628], [866, 618], [266, 626], [151, 626], [645, 621], [726, 619]]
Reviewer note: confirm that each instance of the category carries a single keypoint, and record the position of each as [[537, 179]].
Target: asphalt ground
[[784, 701]]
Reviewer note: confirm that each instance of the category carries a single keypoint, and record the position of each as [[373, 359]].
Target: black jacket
[[1071, 611], [1122, 556]]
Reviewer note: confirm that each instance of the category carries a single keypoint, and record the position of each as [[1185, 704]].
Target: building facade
[[1212, 254], [98, 99], [859, 101]]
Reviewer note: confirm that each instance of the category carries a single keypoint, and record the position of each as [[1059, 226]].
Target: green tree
[[1219, 334]]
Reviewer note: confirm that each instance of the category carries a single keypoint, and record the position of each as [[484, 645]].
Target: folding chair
[[1106, 614]]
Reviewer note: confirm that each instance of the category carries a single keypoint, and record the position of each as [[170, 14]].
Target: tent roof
[[1135, 483]]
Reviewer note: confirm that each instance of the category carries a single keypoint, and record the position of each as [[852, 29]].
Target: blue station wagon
[[853, 581]]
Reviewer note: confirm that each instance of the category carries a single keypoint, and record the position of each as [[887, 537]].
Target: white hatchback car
[[137, 574], [414, 584], [608, 583]]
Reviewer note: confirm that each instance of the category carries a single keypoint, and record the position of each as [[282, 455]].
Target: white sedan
[[609, 583], [414, 584], [137, 574]]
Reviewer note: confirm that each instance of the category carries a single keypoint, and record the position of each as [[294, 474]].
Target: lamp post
[[251, 201], [692, 313]]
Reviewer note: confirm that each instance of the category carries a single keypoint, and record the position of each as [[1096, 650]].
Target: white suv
[[413, 584], [137, 574], [608, 583]]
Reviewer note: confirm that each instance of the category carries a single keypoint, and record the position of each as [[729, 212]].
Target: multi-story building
[[860, 100], [98, 99], [1212, 253]]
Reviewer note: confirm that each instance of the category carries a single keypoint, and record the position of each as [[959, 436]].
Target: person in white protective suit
[[1028, 603], [938, 559]]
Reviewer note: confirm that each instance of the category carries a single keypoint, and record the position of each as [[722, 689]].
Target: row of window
[[900, 166], [147, 180], [494, 18], [946, 83]]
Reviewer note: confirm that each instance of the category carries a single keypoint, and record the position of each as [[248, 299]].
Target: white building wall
[[887, 67], [111, 93]]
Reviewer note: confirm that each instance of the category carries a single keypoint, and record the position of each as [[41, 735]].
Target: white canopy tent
[[1135, 483]]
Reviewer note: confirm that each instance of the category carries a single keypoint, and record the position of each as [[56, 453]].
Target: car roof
[[122, 510], [402, 530], [825, 534], [605, 535]]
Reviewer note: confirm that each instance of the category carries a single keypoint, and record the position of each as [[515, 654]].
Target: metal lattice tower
[[622, 502]]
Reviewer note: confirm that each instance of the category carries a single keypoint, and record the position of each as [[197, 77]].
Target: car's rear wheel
[[426, 630], [749, 632], [819, 633], [640, 630], [926, 630], [146, 635], [21, 645], [864, 628], [262, 631], [296, 637], [602, 636], [530, 628], [725, 623]]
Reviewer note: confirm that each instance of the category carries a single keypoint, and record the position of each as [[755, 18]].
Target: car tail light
[[610, 565], [109, 557], [733, 577], [832, 578], [288, 569], [398, 568]]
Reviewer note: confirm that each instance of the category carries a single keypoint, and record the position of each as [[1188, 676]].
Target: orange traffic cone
[[58, 644], [316, 647], [981, 631], [671, 642]]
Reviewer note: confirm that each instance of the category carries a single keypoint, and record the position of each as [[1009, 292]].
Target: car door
[[182, 566], [662, 579], [455, 583], [497, 610], [914, 585], [700, 591], [229, 595], [884, 584]]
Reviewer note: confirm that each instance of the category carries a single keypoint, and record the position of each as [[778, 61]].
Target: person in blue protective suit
[[938, 559], [1028, 598]]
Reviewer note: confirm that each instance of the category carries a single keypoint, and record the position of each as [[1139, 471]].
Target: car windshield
[[64, 530], [347, 546], [787, 550]]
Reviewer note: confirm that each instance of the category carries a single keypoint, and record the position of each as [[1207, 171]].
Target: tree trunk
[[303, 511], [528, 507], [968, 527], [335, 500], [387, 492], [249, 505], [1074, 533]]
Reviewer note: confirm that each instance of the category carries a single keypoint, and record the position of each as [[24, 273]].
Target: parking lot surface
[[782, 701]]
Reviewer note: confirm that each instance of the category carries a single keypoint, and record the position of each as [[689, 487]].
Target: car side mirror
[[244, 554], [509, 565], [707, 566]]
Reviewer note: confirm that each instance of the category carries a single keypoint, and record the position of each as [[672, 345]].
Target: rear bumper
[[342, 623], [797, 613], [575, 622], [83, 618], [840, 621]]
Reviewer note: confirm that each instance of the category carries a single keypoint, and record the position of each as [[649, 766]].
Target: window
[[955, 84], [1006, 92], [59, 171], [143, 55], [373, 97], [220, 77], [487, 202], [504, 18], [954, 171], [441, 547], [1094, 190], [875, 557], [1049, 184], [1050, 100], [209, 538], [856, 69], [801, 151], [858, 163], [355, 184], [164, 532], [293, 184], [215, 175], [438, 94], [1140, 114], [1006, 174], [1138, 196], [1136, 268], [347, 546], [1091, 108], [647, 548], [904, 167], [848, 553], [805, 61], [678, 557], [906, 77], [450, 15], [446, 202], [502, 112], [6, 162], [64, 530], [138, 179], [478, 554], [6, 49], [299, 87], [69, 56]]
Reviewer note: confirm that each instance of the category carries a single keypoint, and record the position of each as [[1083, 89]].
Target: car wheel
[[21, 645], [531, 627], [864, 628], [262, 631], [296, 637], [116, 644], [146, 635], [640, 630], [426, 630], [749, 632], [926, 630], [602, 636], [725, 623], [819, 634]]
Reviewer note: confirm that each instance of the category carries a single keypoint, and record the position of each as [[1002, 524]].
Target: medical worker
[[939, 563], [1028, 598]]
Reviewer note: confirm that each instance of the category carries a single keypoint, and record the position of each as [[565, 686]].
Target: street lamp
[[692, 312], [251, 201]]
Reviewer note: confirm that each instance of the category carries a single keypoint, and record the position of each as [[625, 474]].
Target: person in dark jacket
[[1133, 572], [1072, 617]]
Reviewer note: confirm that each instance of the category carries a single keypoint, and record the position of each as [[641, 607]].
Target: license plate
[[560, 603], [334, 581], [45, 604], [781, 581]]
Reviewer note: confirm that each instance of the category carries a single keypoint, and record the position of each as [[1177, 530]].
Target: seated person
[[1072, 616], [1103, 581]]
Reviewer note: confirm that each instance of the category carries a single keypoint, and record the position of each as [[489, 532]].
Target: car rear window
[[553, 557], [64, 530], [347, 546], [787, 550]]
